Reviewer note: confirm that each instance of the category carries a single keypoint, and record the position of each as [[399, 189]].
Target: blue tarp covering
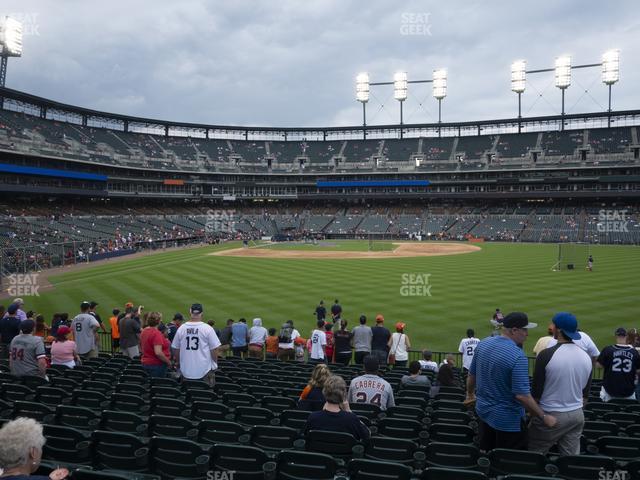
[[372, 183], [51, 172]]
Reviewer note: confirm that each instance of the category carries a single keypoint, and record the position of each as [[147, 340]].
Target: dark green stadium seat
[[632, 431], [438, 405], [34, 381], [129, 403], [11, 392], [506, 461], [402, 411], [402, 428], [584, 467], [135, 379], [120, 451], [67, 384], [337, 444], [453, 455], [90, 399], [132, 389], [172, 426], [296, 465], [247, 462], [452, 417], [168, 406], [594, 429], [178, 458], [261, 391], [195, 395], [164, 382], [451, 433], [203, 410], [219, 431], [434, 473], [234, 400], [365, 410], [188, 385], [396, 450], [96, 386], [127, 422], [76, 417], [622, 419], [619, 448], [66, 444], [224, 388], [77, 375], [52, 396], [38, 411], [296, 419], [360, 469], [251, 416], [278, 404], [268, 437]]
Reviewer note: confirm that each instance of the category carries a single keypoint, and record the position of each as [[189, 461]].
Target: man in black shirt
[[336, 310], [94, 314], [621, 363], [321, 311], [9, 329], [379, 341]]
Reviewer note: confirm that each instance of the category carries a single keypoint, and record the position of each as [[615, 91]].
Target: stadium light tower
[[563, 77], [362, 95], [518, 80], [610, 73], [10, 42], [400, 92], [439, 90]]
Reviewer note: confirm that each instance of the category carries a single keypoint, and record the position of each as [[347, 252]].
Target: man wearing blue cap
[[561, 383]]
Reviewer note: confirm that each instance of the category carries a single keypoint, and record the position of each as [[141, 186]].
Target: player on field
[[467, 348], [590, 263], [194, 348], [370, 388]]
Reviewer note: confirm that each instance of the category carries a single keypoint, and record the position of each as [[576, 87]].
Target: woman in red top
[[155, 355], [328, 332]]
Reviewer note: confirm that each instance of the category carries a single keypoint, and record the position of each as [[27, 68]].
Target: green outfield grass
[[465, 289]]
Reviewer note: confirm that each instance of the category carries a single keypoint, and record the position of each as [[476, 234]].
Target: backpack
[[285, 333]]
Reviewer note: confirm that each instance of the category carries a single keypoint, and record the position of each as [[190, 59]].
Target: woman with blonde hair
[[155, 353], [311, 397]]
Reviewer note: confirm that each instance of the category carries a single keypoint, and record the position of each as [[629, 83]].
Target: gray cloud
[[293, 63]]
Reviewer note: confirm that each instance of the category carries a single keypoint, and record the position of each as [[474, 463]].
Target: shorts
[[131, 352], [90, 354]]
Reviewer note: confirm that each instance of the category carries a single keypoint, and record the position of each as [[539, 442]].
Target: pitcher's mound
[[402, 250]]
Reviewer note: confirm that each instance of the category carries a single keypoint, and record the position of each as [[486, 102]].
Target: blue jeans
[[156, 371]]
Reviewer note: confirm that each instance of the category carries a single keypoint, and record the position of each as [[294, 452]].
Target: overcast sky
[[293, 63]]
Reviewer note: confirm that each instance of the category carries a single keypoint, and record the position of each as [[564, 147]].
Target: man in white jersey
[[85, 331], [467, 348], [318, 343], [584, 342], [194, 348], [370, 388]]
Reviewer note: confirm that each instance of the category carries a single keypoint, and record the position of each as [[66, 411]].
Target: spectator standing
[[115, 332], [328, 333], [27, 352], [271, 350], [130, 329], [19, 313], [399, 346], [257, 339], [371, 388], [92, 311], [318, 343], [585, 342], [155, 359], [342, 348], [361, 338], [9, 329], [498, 382], [174, 325], [225, 338], [543, 342], [621, 363], [336, 416], [467, 347], [85, 330], [380, 336], [64, 351], [286, 341], [561, 383], [239, 338], [195, 347]]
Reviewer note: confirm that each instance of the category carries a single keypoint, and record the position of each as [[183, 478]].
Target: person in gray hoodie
[[362, 336], [257, 339]]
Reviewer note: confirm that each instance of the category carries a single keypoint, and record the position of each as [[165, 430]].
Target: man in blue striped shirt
[[499, 376]]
